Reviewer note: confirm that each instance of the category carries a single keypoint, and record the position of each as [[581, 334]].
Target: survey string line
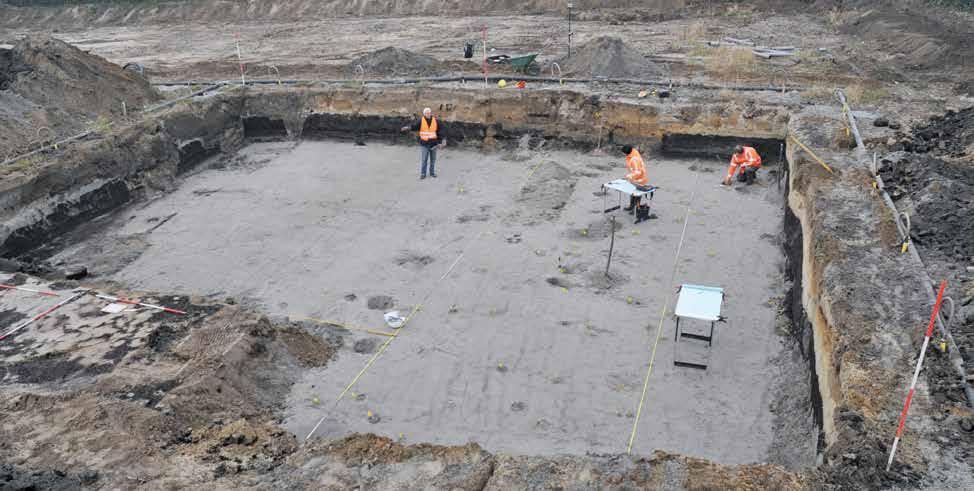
[[409, 317], [659, 328]]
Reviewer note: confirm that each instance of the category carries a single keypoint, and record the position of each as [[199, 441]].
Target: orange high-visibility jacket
[[427, 132], [750, 158], [637, 169]]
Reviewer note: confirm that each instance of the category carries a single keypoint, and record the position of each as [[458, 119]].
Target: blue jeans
[[427, 154]]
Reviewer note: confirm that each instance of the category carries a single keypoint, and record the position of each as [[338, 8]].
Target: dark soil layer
[[950, 135], [943, 196], [14, 478]]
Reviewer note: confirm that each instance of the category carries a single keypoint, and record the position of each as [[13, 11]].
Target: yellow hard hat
[[502, 83]]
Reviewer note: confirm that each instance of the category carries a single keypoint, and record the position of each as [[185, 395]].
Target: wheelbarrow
[[524, 63]]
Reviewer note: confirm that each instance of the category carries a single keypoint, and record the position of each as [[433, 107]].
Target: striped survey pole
[[42, 314], [916, 373], [243, 80], [136, 302], [14, 287]]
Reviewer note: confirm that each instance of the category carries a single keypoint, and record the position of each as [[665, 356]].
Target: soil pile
[[950, 135], [942, 197], [131, 403], [925, 38], [47, 83], [608, 57], [544, 195], [392, 61]]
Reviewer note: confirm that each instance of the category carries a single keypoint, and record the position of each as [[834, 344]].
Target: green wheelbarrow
[[524, 63]]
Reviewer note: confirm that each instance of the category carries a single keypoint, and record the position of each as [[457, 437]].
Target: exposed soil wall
[[88, 179], [866, 309], [721, 147], [801, 327], [485, 117]]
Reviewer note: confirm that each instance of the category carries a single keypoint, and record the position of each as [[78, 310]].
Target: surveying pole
[[571, 5]]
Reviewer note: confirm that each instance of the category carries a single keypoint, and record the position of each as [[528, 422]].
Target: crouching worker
[[637, 176], [745, 163]]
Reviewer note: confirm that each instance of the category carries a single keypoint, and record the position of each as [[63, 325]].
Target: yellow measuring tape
[[346, 326], [810, 152], [659, 328]]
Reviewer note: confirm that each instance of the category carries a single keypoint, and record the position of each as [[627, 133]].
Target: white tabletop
[[626, 187], [700, 302]]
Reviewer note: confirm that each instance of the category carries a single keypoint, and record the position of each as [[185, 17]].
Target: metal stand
[[605, 192], [651, 192], [709, 339]]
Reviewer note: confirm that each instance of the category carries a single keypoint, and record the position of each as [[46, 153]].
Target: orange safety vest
[[427, 132], [749, 159], [637, 169]]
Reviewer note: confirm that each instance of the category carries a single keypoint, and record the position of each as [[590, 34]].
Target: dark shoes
[[642, 213], [432, 174], [422, 176]]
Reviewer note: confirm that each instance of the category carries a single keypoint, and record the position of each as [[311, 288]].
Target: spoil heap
[[391, 61], [608, 57], [47, 83]]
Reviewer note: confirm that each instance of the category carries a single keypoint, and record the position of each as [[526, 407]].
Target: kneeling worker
[[745, 163], [637, 176]]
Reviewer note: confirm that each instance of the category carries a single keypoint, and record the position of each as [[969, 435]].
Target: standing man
[[429, 137], [745, 163]]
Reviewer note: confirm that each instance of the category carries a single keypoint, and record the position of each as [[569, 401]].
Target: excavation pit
[[496, 352]]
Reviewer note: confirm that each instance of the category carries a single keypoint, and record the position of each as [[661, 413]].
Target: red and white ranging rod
[[134, 302], [12, 287], [43, 314], [916, 373], [236, 38]]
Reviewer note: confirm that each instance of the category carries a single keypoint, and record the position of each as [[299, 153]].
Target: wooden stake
[[612, 243]]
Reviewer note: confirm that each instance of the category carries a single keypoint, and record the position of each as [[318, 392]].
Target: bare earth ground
[[317, 49], [509, 350], [545, 403]]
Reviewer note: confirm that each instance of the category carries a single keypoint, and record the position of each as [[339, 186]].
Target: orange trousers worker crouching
[[745, 162]]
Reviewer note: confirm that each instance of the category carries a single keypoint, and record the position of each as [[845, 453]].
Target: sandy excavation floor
[[509, 349]]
